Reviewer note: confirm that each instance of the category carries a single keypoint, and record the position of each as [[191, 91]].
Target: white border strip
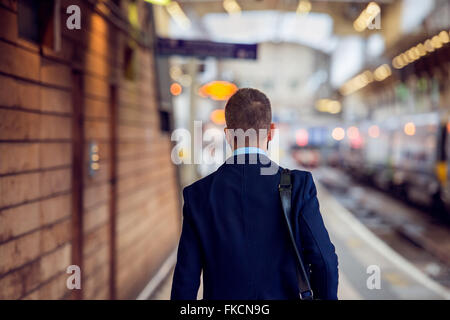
[[385, 250], [162, 273]]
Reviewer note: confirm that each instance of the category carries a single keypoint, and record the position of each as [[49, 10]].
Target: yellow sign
[[218, 90], [218, 116], [160, 2]]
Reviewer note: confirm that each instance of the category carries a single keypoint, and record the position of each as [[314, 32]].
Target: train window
[[129, 64], [36, 22], [165, 121], [28, 20]]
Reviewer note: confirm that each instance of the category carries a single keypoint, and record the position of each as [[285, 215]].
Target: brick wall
[[135, 222]]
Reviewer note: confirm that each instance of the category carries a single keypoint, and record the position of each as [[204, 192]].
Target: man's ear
[[227, 136], [271, 132]]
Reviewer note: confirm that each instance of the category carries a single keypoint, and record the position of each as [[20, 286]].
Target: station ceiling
[[343, 12]]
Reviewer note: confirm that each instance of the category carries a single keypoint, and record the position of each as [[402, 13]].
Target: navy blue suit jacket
[[233, 230]]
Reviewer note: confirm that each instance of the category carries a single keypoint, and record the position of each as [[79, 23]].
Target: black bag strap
[[285, 188]]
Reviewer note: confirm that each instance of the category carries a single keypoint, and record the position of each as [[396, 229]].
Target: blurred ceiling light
[[409, 129], [270, 26], [428, 46], [159, 2], [412, 55], [367, 77], [304, 7], [420, 50], [416, 52], [232, 7], [382, 72], [405, 58], [218, 116], [436, 42], [374, 131], [177, 14], [338, 134], [321, 105], [175, 89], [334, 107], [218, 90], [357, 83], [366, 16], [444, 37], [175, 72], [398, 62], [327, 105]]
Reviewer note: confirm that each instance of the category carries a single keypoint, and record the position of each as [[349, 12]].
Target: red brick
[[19, 62], [18, 157], [14, 254], [55, 127], [55, 181], [97, 129], [96, 108], [54, 209], [56, 235], [52, 290], [19, 188], [19, 125], [55, 154], [55, 262], [95, 217], [11, 286], [55, 73], [19, 220], [56, 100]]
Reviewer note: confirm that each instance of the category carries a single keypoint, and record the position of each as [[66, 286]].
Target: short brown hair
[[248, 109]]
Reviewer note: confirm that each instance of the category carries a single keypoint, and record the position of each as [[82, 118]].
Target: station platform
[[357, 249]]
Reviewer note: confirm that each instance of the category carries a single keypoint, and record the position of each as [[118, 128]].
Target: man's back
[[233, 230]]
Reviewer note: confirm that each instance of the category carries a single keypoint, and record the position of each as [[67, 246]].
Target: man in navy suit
[[233, 228]]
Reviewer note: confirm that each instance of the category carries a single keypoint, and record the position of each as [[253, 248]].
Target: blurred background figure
[[101, 127]]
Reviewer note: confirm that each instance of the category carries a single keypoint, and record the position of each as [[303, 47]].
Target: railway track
[[414, 233]]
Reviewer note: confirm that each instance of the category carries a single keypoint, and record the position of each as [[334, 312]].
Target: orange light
[[301, 137], [201, 93], [175, 89], [338, 134], [374, 131], [448, 127], [218, 90], [410, 129], [218, 116]]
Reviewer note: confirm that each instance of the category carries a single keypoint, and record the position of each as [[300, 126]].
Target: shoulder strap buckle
[[285, 181], [306, 295]]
